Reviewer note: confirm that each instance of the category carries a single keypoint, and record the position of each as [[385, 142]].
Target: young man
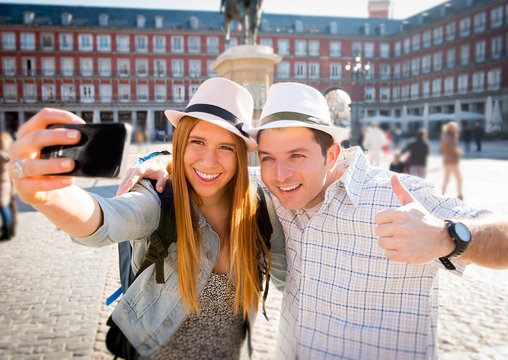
[[362, 248]]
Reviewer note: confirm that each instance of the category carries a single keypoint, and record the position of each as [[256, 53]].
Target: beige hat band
[[292, 116], [219, 112]]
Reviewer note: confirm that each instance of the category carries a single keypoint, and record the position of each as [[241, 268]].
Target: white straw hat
[[221, 102], [297, 105]]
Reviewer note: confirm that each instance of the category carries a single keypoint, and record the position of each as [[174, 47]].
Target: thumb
[[404, 196]]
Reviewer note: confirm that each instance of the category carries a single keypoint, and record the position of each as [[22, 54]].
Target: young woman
[[212, 273], [449, 148]]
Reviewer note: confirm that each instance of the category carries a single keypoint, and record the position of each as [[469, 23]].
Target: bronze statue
[[246, 11]]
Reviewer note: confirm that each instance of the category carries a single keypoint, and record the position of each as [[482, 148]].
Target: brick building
[[124, 64]]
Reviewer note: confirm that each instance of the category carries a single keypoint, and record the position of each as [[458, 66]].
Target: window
[[335, 48], [194, 44], [194, 68], [436, 87], [212, 44], [87, 93], [479, 22], [177, 67], [396, 93], [27, 41], [496, 17], [426, 38], [426, 88], [313, 70], [283, 69], [406, 68], [9, 66], [141, 43], [266, 42], [384, 94], [385, 71], [177, 44], [140, 21], [66, 42], [104, 43], [478, 81], [30, 92], [396, 71], [28, 65], [8, 41], [178, 93], [67, 65], [47, 41], [384, 50], [160, 92], [415, 66], [68, 92], [368, 50], [370, 94], [283, 46], [192, 90], [313, 48], [159, 22], [407, 45], [335, 71], [124, 67], [480, 51], [48, 92], [438, 35], [464, 55], [449, 83], [465, 27], [404, 92], [450, 31], [86, 66], [159, 44], [124, 92], [356, 48], [48, 66], [496, 47], [300, 70], [10, 92], [103, 19], [300, 48], [416, 42], [450, 58], [122, 43], [85, 42], [142, 92], [415, 91], [159, 68], [106, 92], [462, 83], [141, 67], [438, 60], [494, 79], [104, 66], [370, 74]]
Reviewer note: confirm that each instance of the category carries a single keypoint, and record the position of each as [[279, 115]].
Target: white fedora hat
[[221, 102], [297, 105]]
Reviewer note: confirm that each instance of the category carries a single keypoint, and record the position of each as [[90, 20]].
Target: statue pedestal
[[252, 67]]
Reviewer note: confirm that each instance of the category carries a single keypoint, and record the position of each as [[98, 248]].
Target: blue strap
[[114, 296]]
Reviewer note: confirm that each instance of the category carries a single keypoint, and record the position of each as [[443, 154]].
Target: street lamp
[[358, 72]]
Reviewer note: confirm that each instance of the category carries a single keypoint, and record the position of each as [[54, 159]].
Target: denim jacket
[[150, 313]]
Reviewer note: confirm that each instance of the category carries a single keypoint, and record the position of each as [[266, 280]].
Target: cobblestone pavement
[[52, 302]]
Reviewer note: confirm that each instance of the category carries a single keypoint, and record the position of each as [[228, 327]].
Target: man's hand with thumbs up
[[410, 233]]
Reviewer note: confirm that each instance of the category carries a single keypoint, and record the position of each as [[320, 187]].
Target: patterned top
[[343, 298], [216, 333]]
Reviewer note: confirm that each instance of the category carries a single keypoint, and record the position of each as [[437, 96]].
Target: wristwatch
[[461, 236]]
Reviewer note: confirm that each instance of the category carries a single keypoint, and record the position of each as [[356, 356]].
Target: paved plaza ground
[[52, 297]]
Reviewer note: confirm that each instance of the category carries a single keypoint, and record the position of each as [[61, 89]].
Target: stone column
[[252, 67], [150, 125], [115, 116]]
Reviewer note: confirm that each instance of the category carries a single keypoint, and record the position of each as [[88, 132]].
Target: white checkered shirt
[[343, 298]]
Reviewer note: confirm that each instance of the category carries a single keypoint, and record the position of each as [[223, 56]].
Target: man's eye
[[297, 156], [266, 158]]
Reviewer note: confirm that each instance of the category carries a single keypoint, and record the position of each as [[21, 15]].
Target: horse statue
[[246, 11]]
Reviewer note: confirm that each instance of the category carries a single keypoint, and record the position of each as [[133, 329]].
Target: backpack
[[159, 242]]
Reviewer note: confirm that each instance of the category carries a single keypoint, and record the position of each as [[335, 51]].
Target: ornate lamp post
[[358, 72]]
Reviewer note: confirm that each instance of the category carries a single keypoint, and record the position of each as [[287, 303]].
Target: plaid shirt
[[343, 298]]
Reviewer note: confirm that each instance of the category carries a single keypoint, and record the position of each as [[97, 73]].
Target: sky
[[399, 9]]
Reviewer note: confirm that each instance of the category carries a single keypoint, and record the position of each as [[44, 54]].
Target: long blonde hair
[[247, 249]]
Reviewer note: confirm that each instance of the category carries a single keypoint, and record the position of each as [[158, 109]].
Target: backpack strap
[[265, 228]]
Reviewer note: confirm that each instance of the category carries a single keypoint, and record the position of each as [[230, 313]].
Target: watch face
[[462, 232]]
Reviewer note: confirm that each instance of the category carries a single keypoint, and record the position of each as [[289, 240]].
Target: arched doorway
[[339, 103]]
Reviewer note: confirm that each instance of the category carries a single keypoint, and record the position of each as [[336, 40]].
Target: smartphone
[[101, 151]]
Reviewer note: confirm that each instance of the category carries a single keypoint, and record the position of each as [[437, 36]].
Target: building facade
[[120, 64]]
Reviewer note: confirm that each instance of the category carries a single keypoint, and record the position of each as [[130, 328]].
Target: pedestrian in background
[[467, 136], [451, 152], [373, 142], [397, 165], [396, 136], [7, 202], [478, 135], [418, 150]]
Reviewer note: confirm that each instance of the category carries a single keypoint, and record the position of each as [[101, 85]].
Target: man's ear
[[333, 154]]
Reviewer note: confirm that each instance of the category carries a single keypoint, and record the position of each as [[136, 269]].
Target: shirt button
[[307, 277], [310, 237], [305, 313]]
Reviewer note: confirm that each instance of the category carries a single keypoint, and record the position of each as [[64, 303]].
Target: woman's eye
[[229, 148], [197, 142]]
